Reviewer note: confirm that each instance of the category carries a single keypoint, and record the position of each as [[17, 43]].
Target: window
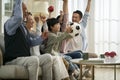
[[8, 6], [107, 21], [6, 11]]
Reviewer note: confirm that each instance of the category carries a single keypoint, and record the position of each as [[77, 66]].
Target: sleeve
[[16, 19], [65, 21], [51, 39], [64, 35], [61, 36], [35, 40], [84, 19], [38, 29]]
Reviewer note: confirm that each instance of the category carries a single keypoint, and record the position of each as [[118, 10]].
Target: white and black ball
[[76, 29]]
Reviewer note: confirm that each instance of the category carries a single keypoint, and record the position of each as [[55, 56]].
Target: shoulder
[[86, 13]]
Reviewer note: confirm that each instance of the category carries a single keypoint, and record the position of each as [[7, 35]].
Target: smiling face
[[30, 22], [76, 18]]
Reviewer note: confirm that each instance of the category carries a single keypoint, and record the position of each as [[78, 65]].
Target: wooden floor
[[106, 73]]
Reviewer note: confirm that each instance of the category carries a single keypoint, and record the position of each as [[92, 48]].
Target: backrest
[[2, 49], [2, 46]]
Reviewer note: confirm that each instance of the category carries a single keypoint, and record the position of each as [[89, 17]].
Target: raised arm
[[38, 27], [15, 21], [86, 14], [65, 16], [65, 6], [88, 6]]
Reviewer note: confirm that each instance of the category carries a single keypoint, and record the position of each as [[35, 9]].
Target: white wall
[[39, 6]]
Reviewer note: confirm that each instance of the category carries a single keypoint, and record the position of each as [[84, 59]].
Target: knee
[[48, 57], [33, 60]]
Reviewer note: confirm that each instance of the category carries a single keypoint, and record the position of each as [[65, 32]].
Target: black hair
[[78, 12], [42, 29], [58, 17], [51, 22]]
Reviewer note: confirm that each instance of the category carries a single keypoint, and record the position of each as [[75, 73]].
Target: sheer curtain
[[72, 6], [76, 5], [107, 26], [103, 24]]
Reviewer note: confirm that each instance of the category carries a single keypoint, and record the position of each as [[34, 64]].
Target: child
[[54, 41]]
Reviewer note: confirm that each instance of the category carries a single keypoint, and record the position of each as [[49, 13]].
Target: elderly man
[[18, 41]]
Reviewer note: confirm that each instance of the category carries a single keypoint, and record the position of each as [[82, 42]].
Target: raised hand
[[88, 6], [36, 19]]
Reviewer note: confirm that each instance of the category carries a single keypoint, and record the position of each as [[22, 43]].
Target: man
[[79, 43], [79, 18], [76, 45], [18, 41]]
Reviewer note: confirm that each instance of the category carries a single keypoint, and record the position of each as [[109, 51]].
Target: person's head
[[53, 25], [77, 16], [25, 11], [29, 21]]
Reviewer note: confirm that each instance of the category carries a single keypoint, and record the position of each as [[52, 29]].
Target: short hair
[[78, 12], [51, 22], [58, 17]]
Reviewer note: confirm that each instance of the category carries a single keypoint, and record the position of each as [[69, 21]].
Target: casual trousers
[[72, 66], [53, 67], [31, 63], [46, 62], [75, 54], [59, 69]]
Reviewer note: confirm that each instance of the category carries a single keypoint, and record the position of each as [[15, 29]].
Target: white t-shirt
[[79, 42]]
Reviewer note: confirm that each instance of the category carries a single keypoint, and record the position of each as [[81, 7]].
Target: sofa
[[12, 71]]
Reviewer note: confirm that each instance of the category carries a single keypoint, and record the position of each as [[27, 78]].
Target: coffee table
[[92, 62]]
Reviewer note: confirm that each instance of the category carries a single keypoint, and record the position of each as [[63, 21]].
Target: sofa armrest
[[1, 57]]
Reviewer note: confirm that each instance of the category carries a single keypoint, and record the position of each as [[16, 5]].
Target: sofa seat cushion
[[14, 72]]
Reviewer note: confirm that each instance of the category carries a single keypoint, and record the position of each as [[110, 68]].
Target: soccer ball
[[76, 29]]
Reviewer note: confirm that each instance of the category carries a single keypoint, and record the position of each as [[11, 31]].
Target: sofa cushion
[[14, 72]]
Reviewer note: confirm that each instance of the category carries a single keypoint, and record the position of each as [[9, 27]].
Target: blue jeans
[[75, 54], [72, 66]]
